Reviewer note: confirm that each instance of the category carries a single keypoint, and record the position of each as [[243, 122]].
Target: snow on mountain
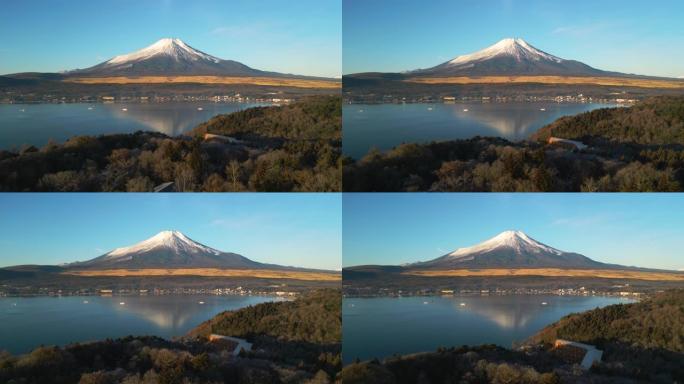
[[171, 47], [510, 57], [515, 240], [513, 47], [172, 249], [169, 249], [169, 240], [170, 57], [510, 249]]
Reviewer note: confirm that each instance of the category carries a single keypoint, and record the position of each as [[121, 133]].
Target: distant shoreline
[[635, 296]]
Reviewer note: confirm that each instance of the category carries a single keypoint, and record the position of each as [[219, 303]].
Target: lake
[[381, 327], [36, 124], [26, 323], [385, 126]]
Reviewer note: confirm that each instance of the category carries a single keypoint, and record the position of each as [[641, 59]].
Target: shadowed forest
[[293, 342], [283, 148], [636, 149]]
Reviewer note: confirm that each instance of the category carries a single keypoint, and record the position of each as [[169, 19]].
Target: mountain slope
[[509, 249], [510, 57], [170, 249], [170, 57]]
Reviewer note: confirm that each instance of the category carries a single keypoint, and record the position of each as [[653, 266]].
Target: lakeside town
[[55, 99], [619, 290], [619, 98], [279, 290]]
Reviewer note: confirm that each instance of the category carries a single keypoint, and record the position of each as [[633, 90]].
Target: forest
[[280, 355], [281, 148], [642, 342], [636, 149]]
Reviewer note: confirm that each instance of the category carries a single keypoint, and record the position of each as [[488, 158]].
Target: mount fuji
[[511, 56], [170, 249], [510, 249], [170, 57]]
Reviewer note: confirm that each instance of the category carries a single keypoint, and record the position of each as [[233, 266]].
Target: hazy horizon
[[301, 38], [301, 229], [623, 36], [644, 230]]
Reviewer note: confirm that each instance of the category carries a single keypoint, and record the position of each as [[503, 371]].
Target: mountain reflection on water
[[381, 327], [36, 124], [30, 322], [385, 126]]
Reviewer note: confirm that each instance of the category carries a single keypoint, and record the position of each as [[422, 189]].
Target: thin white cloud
[[582, 30], [581, 221], [261, 30], [240, 222]]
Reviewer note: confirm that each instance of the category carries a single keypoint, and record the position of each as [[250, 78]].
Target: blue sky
[[290, 229], [641, 229], [633, 36], [302, 37]]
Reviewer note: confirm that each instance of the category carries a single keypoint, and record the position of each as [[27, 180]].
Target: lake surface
[[26, 323], [381, 327], [385, 126], [36, 124]]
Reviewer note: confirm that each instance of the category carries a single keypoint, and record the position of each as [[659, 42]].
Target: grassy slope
[[252, 273], [610, 81], [271, 81], [554, 272]]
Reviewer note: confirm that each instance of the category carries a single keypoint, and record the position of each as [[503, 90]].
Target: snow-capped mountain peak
[[169, 240], [516, 240], [512, 47], [168, 47]]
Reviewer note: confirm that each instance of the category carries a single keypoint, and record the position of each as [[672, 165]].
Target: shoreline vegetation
[[254, 273], [585, 80], [635, 149], [294, 147], [641, 342], [549, 272], [295, 341], [257, 81]]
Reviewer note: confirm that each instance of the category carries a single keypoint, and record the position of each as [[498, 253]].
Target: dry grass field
[[608, 81], [212, 272], [267, 81], [553, 272]]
